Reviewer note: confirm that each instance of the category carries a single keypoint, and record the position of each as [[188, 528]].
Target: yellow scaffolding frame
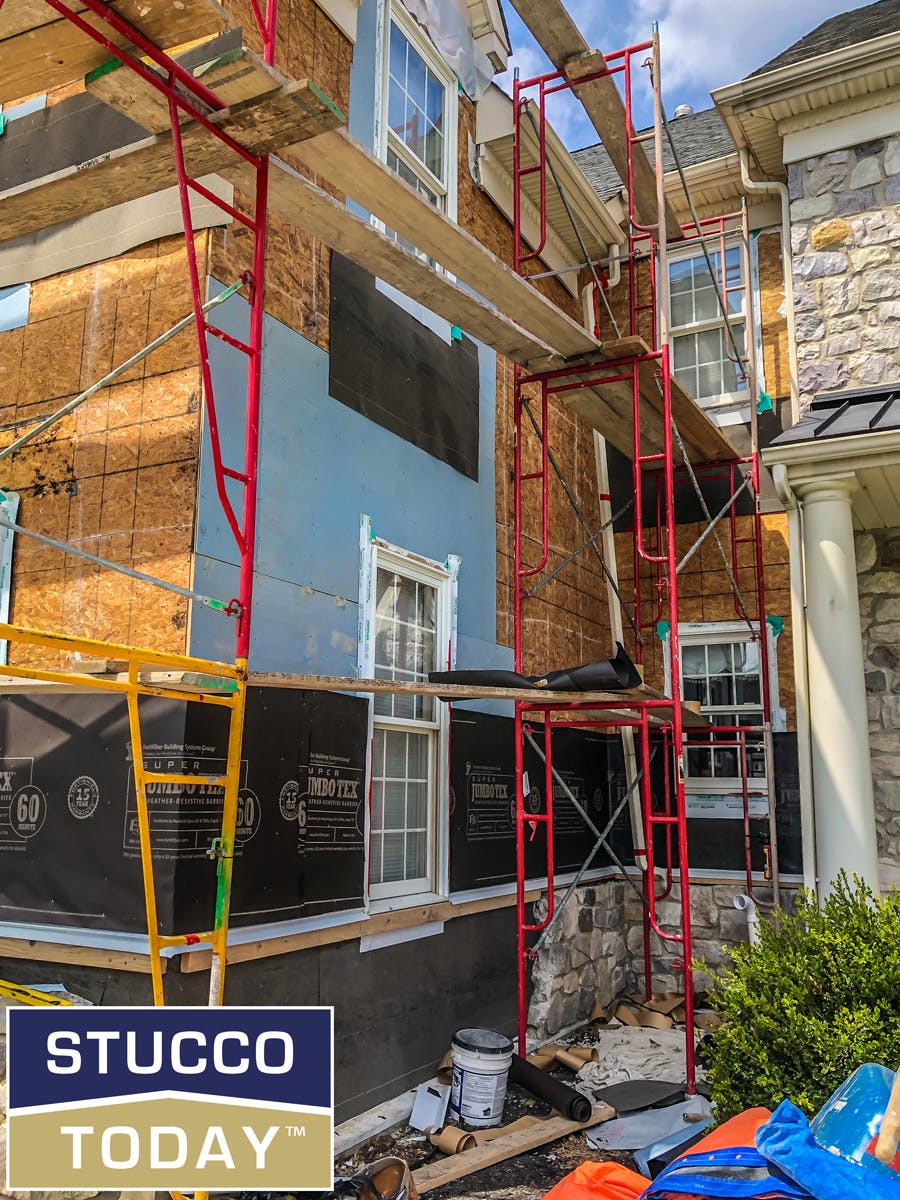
[[189, 680]]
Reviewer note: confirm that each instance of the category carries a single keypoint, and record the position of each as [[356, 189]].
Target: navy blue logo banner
[[169, 1098]]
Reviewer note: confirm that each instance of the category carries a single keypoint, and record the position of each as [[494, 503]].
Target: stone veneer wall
[[595, 951], [878, 572], [845, 229], [583, 961]]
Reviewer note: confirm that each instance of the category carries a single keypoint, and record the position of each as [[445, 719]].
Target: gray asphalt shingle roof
[[698, 138], [845, 29]]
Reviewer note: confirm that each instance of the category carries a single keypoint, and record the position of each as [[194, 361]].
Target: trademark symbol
[[296, 1130]]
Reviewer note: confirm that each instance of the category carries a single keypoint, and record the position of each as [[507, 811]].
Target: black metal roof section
[[698, 138], [837, 33], [846, 414]]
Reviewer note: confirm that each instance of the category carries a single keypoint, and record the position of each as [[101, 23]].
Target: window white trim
[[394, 10], [691, 250], [709, 633], [375, 552]]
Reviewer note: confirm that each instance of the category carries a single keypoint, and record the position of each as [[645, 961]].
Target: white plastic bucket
[[481, 1062]]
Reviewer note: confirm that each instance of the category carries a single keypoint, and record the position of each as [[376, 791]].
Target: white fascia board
[[343, 13], [760, 90], [108, 233], [494, 123], [851, 130]]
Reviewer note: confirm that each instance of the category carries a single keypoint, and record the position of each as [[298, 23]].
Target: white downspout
[[801, 676], [780, 189]]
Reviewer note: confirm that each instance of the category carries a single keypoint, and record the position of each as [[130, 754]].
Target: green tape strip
[[98, 72]]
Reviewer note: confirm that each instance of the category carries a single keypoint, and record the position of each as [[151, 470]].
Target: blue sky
[[705, 44]]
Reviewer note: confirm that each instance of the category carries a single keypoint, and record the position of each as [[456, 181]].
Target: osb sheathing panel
[[118, 477], [705, 592], [309, 46], [776, 358], [565, 623]]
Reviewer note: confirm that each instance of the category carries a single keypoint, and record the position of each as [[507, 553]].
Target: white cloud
[[709, 43], [565, 113]]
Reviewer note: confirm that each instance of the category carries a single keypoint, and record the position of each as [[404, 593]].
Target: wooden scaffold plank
[[235, 76], [294, 112], [351, 169], [608, 408], [40, 50], [562, 41], [299, 201]]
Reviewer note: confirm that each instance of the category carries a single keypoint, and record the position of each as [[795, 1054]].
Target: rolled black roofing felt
[[554, 1092]]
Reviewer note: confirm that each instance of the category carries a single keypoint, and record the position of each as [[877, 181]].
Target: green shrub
[[817, 997]]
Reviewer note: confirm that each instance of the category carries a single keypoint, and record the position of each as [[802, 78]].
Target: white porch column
[[842, 771]]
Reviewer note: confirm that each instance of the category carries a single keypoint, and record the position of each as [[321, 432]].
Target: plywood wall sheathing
[[118, 477]]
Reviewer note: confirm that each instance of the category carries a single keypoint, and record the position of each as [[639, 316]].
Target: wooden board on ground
[[288, 115], [520, 1141], [40, 50], [299, 201], [235, 76], [559, 36], [350, 168]]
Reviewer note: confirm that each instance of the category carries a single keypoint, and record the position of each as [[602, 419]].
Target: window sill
[[402, 903]]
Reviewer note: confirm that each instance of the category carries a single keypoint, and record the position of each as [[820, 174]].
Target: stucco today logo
[[169, 1099]]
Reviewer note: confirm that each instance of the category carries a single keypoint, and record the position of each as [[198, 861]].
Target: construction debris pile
[[605, 1114]]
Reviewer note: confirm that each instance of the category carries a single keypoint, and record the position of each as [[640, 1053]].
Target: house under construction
[[327, 367]]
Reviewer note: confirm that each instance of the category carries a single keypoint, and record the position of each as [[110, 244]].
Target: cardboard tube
[[445, 1068], [450, 1139], [584, 1054], [572, 1061], [545, 1056]]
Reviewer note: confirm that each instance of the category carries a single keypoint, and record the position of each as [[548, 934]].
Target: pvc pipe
[[780, 189], [746, 904]]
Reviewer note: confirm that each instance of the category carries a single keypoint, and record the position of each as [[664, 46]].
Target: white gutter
[[780, 189], [801, 676], [756, 90]]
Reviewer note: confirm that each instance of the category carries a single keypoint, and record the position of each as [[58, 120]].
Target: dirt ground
[[526, 1177]]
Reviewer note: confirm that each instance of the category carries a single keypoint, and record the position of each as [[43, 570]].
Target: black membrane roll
[[559, 1095]]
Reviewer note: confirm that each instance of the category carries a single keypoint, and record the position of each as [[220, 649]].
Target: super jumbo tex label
[[169, 1099]]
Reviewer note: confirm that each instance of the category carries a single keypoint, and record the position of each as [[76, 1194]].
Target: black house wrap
[[68, 823], [66, 760]]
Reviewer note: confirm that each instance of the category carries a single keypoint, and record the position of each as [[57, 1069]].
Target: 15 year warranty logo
[[169, 1099]]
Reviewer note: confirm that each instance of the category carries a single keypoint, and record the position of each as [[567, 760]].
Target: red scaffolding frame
[[657, 470]]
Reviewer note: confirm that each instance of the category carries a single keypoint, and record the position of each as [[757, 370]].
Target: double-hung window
[[419, 111], [409, 629], [721, 669], [702, 352]]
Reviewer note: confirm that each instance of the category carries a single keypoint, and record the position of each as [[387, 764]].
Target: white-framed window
[[408, 633], [721, 669], [702, 353], [418, 125]]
